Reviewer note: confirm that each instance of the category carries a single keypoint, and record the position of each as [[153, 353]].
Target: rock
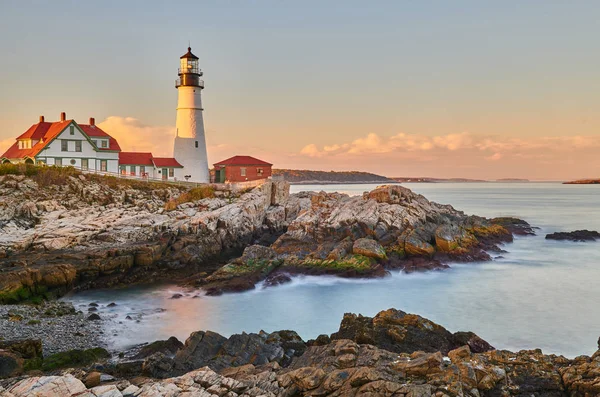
[[275, 279], [577, 236], [158, 366], [26, 348], [369, 248], [400, 332], [176, 296], [11, 364], [414, 245], [93, 317], [449, 238], [459, 354], [112, 304], [48, 386], [474, 342], [167, 347], [92, 379], [423, 365]]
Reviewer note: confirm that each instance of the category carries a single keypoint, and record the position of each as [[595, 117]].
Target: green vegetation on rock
[[71, 358]]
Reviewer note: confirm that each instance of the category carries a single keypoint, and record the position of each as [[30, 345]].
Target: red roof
[[42, 132], [166, 162], [242, 160], [135, 158], [95, 131]]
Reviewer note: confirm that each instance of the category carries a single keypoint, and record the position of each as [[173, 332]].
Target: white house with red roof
[[88, 148]]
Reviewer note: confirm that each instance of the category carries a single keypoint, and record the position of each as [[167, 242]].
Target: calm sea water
[[541, 294]]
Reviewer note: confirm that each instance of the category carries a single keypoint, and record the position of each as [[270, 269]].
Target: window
[[196, 143], [84, 164], [171, 172], [72, 130], [64, 145], [132, 169], [104, 144], [78, 146], [95, 142], [142, 170], [259, 171], [103, 165], [123, 170], [243, 171], [58, 162]]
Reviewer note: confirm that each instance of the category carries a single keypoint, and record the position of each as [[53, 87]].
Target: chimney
[[63, 116], [41, 119], [92, 121]]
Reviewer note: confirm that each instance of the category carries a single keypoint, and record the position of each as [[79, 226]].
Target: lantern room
[[189, 71]]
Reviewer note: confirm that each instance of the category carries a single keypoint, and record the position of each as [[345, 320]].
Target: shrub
[[195, 194]]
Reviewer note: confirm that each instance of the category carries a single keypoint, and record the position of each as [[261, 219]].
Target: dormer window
[[104, 144], [24, 144]]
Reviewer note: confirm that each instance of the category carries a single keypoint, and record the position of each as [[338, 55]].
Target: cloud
[[495, 148], [5, 144], [135, 136]]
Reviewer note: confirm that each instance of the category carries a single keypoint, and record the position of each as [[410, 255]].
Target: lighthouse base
[[191, 153]]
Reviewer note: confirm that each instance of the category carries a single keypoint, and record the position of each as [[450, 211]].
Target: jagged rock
[[167, 347], [397, 331], [99, 232]]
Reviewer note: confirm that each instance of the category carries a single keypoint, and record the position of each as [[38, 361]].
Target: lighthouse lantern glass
[[189, 65]]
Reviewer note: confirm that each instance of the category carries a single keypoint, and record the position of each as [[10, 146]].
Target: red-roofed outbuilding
[[241, 169]]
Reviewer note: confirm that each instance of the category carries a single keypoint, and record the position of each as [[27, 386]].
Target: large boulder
[[369, 248]]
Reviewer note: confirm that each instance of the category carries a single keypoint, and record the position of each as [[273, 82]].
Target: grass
[[195, 194], [46, 176], [68, 359], [261, 267], [358, 263]]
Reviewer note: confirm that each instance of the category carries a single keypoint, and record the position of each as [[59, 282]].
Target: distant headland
[[583, 182], [305, 177]]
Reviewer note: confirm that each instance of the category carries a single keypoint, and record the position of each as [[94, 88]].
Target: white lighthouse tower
[[190, 142]]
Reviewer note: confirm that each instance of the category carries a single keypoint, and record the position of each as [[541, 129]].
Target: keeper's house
[[86, 147]]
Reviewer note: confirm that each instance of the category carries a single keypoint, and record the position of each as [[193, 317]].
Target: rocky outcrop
[[396, 331], [90, 232], [99, 232], [577, 236], [251, 365], [363, 236]]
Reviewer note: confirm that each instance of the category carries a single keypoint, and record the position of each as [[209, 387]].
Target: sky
[[504, 89]]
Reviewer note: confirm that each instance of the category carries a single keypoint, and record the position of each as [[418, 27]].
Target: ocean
[[541, 294]]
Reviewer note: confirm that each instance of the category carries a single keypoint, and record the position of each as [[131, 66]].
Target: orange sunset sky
[[504, 90]]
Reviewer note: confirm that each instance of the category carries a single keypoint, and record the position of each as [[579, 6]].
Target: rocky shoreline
[[391, 354], [91, 232]]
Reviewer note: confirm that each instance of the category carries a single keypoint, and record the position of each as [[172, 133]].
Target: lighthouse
[[190, 142]]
